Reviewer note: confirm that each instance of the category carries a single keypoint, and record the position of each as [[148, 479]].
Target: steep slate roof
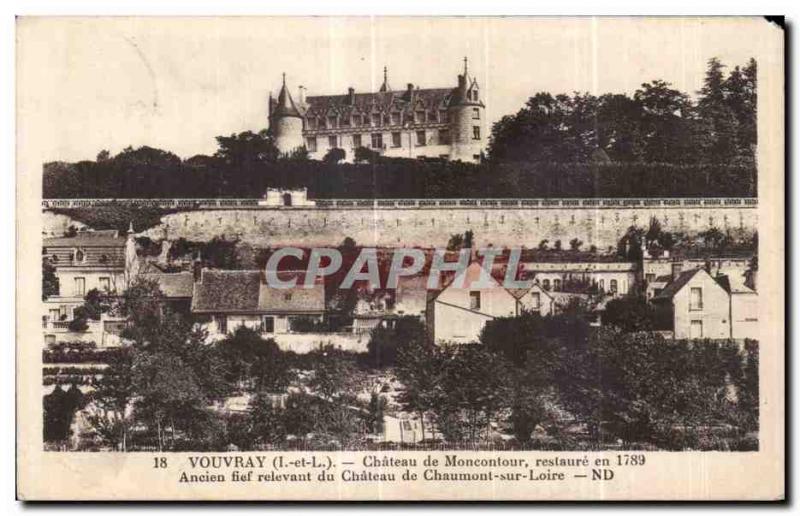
[[674, 287], [285, 106], [173, 285], [366, 103]]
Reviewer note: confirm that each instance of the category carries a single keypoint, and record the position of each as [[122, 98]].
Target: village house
[[86, 261], [698, 305], [658, 272], [224, 300], [612, 278], [383, 307], [458, 312]]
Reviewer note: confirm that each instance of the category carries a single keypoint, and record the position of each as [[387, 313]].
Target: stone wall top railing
[[222, 204]]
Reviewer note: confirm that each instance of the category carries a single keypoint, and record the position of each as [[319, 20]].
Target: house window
[[444, 136], [421, 138], [696, 329], [268, 324], [105, 284], [356, 140], [377, 140], [287, 296], [332, 143], [476, 132], [49, 340], [44, 321], [376, 119], [287, 199], [395, 118], [312, 123], [476, 113], [55, 314], [613, 286], [676, 269], [80, 287], [79, 256], [649, 278], [475, 300], [331, 122], [222, 323], [395, 139], [311, 143], [419, 117], [602, 285], [546, 284], [696, 298], [556, 285], [345, 122], [536, 300]]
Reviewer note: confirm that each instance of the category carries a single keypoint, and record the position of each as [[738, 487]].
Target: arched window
[[79, 255]]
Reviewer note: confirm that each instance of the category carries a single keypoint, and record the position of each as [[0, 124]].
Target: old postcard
[[428, 258]]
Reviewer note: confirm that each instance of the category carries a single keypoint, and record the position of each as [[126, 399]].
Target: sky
[[88, 84]]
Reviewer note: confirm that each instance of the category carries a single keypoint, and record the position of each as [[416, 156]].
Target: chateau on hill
[[444, 123]]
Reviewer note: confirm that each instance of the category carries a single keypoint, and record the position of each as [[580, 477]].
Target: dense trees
[[658, 124]]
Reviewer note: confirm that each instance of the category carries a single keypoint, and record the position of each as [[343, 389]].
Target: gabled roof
[[294, 300], [734, 284], [226, 291], [675, 287], [246, 292], [106, 238], [174, 284]]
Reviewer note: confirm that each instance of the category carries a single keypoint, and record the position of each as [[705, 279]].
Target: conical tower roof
[[285, 105]]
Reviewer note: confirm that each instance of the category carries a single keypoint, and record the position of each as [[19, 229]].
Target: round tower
[[285, 122], [465, 113]]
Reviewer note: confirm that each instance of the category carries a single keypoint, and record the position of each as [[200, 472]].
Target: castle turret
[[286, 122], [465, 112]]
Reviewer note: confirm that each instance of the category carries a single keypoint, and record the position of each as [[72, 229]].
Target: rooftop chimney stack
[[351, 96], [301, 94]]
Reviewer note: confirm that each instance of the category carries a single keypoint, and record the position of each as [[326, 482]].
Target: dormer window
[[419, 117], [331, 122], [78, 255], [395, 118]]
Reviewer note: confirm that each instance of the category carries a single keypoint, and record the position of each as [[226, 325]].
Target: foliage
[[385, 343], [59, 411], [50, 283], [250, 361], [631, 314], [658, 124]]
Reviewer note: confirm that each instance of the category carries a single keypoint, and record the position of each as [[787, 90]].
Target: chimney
[[462, 82], [301, 94], [409, 88], [351, 96]]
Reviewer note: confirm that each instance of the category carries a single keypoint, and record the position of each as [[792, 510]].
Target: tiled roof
[[674, 287], [246, 292], [226, 291], [173, 285], [87, 239], [298, 299], [285, 106], [99, 249]]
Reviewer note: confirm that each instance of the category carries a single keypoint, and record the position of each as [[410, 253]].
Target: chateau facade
[[444, 123]]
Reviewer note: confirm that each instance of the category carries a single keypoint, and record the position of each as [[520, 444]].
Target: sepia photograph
[[504, 237]]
